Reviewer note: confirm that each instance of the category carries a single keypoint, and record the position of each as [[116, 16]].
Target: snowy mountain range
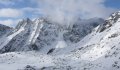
[[91, 44], [41, 33]]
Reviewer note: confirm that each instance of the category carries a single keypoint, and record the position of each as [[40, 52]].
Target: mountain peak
[[27, 20], [24, 23], [37, 20], [114, 17], [110, 21]]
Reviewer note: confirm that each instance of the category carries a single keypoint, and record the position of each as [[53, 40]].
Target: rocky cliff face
[[81, 28]]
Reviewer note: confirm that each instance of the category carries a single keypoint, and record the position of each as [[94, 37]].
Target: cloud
[[10, 22], [32, 10], [61, 10], [6, 2], [7, 22], [9, 2], [9, 12]]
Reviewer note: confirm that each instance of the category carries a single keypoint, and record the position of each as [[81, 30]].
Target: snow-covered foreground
[[76, 60], [18, 60]]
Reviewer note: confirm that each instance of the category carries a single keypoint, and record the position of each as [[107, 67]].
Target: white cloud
[[9, 12], [9, 2], [61, 10], [10, 22], [6, 2], [32, 10], [6, 22]]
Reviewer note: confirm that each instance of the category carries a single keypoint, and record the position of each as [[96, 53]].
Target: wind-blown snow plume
[[65, 10]]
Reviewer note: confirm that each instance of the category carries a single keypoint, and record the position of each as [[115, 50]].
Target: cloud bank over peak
[[10, 22], [60, 10], [9, 12]]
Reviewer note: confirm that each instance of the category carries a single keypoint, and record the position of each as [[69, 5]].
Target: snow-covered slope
[[99, 50]]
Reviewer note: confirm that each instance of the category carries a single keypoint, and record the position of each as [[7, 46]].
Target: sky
[[12, 11]]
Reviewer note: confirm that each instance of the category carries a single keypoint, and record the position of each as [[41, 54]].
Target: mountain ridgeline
[[44, 34]]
